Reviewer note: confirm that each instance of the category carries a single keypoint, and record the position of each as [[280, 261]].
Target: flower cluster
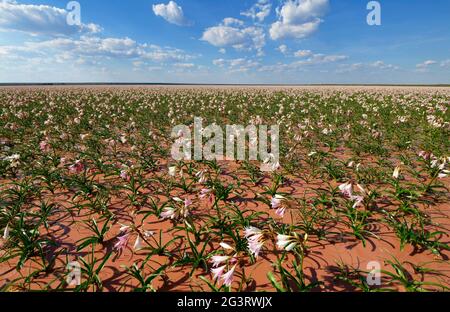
[[178, 211], [224, 266]]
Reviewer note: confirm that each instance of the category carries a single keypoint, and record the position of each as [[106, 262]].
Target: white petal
[[138, 243], [226, 246], [123, 228], [172, 171], [291, 246], [6, 232]]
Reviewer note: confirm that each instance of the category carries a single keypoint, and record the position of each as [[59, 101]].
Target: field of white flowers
[[360, 201]]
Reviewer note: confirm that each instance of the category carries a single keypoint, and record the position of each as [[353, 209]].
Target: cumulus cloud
[[298, 18], [283, 49], [280, 30], [171, 12], [425, 65], [99, 49], [259, 11], [39, 20], [383, 65], [303, 53], [231, 21], [231, 32]]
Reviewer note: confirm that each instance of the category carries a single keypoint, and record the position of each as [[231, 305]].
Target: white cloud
[[298, 18], [312, 60], [183, 68], [222, 36], [316, 59], [424, 66], [280, 30], [246, 65], [219, 62], [184, 65], [283, 49], [39, 20], [303, 53], [376, 66], [230, 21], [347, 68], [144, 67], [259, 11], [160, 54], [171, 12], [383, 65], [300, 53], [429, 62], [298, 11], [234, 34], [98, 49], [236, 65]]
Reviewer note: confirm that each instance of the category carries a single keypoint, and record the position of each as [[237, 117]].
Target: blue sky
[[234, 41]]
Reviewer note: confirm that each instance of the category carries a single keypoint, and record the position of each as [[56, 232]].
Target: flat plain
[[89, 191]]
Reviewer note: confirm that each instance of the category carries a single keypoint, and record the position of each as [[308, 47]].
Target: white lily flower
[[289, 242], [228, 277], [218, 272], [285, 242], [396, 172], [168, 213], [217, 260], [346, 189]]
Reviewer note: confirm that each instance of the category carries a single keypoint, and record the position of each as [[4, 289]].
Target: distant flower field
[[89, 191]]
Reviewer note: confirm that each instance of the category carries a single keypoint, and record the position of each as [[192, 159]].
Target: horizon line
[[212, 84]]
